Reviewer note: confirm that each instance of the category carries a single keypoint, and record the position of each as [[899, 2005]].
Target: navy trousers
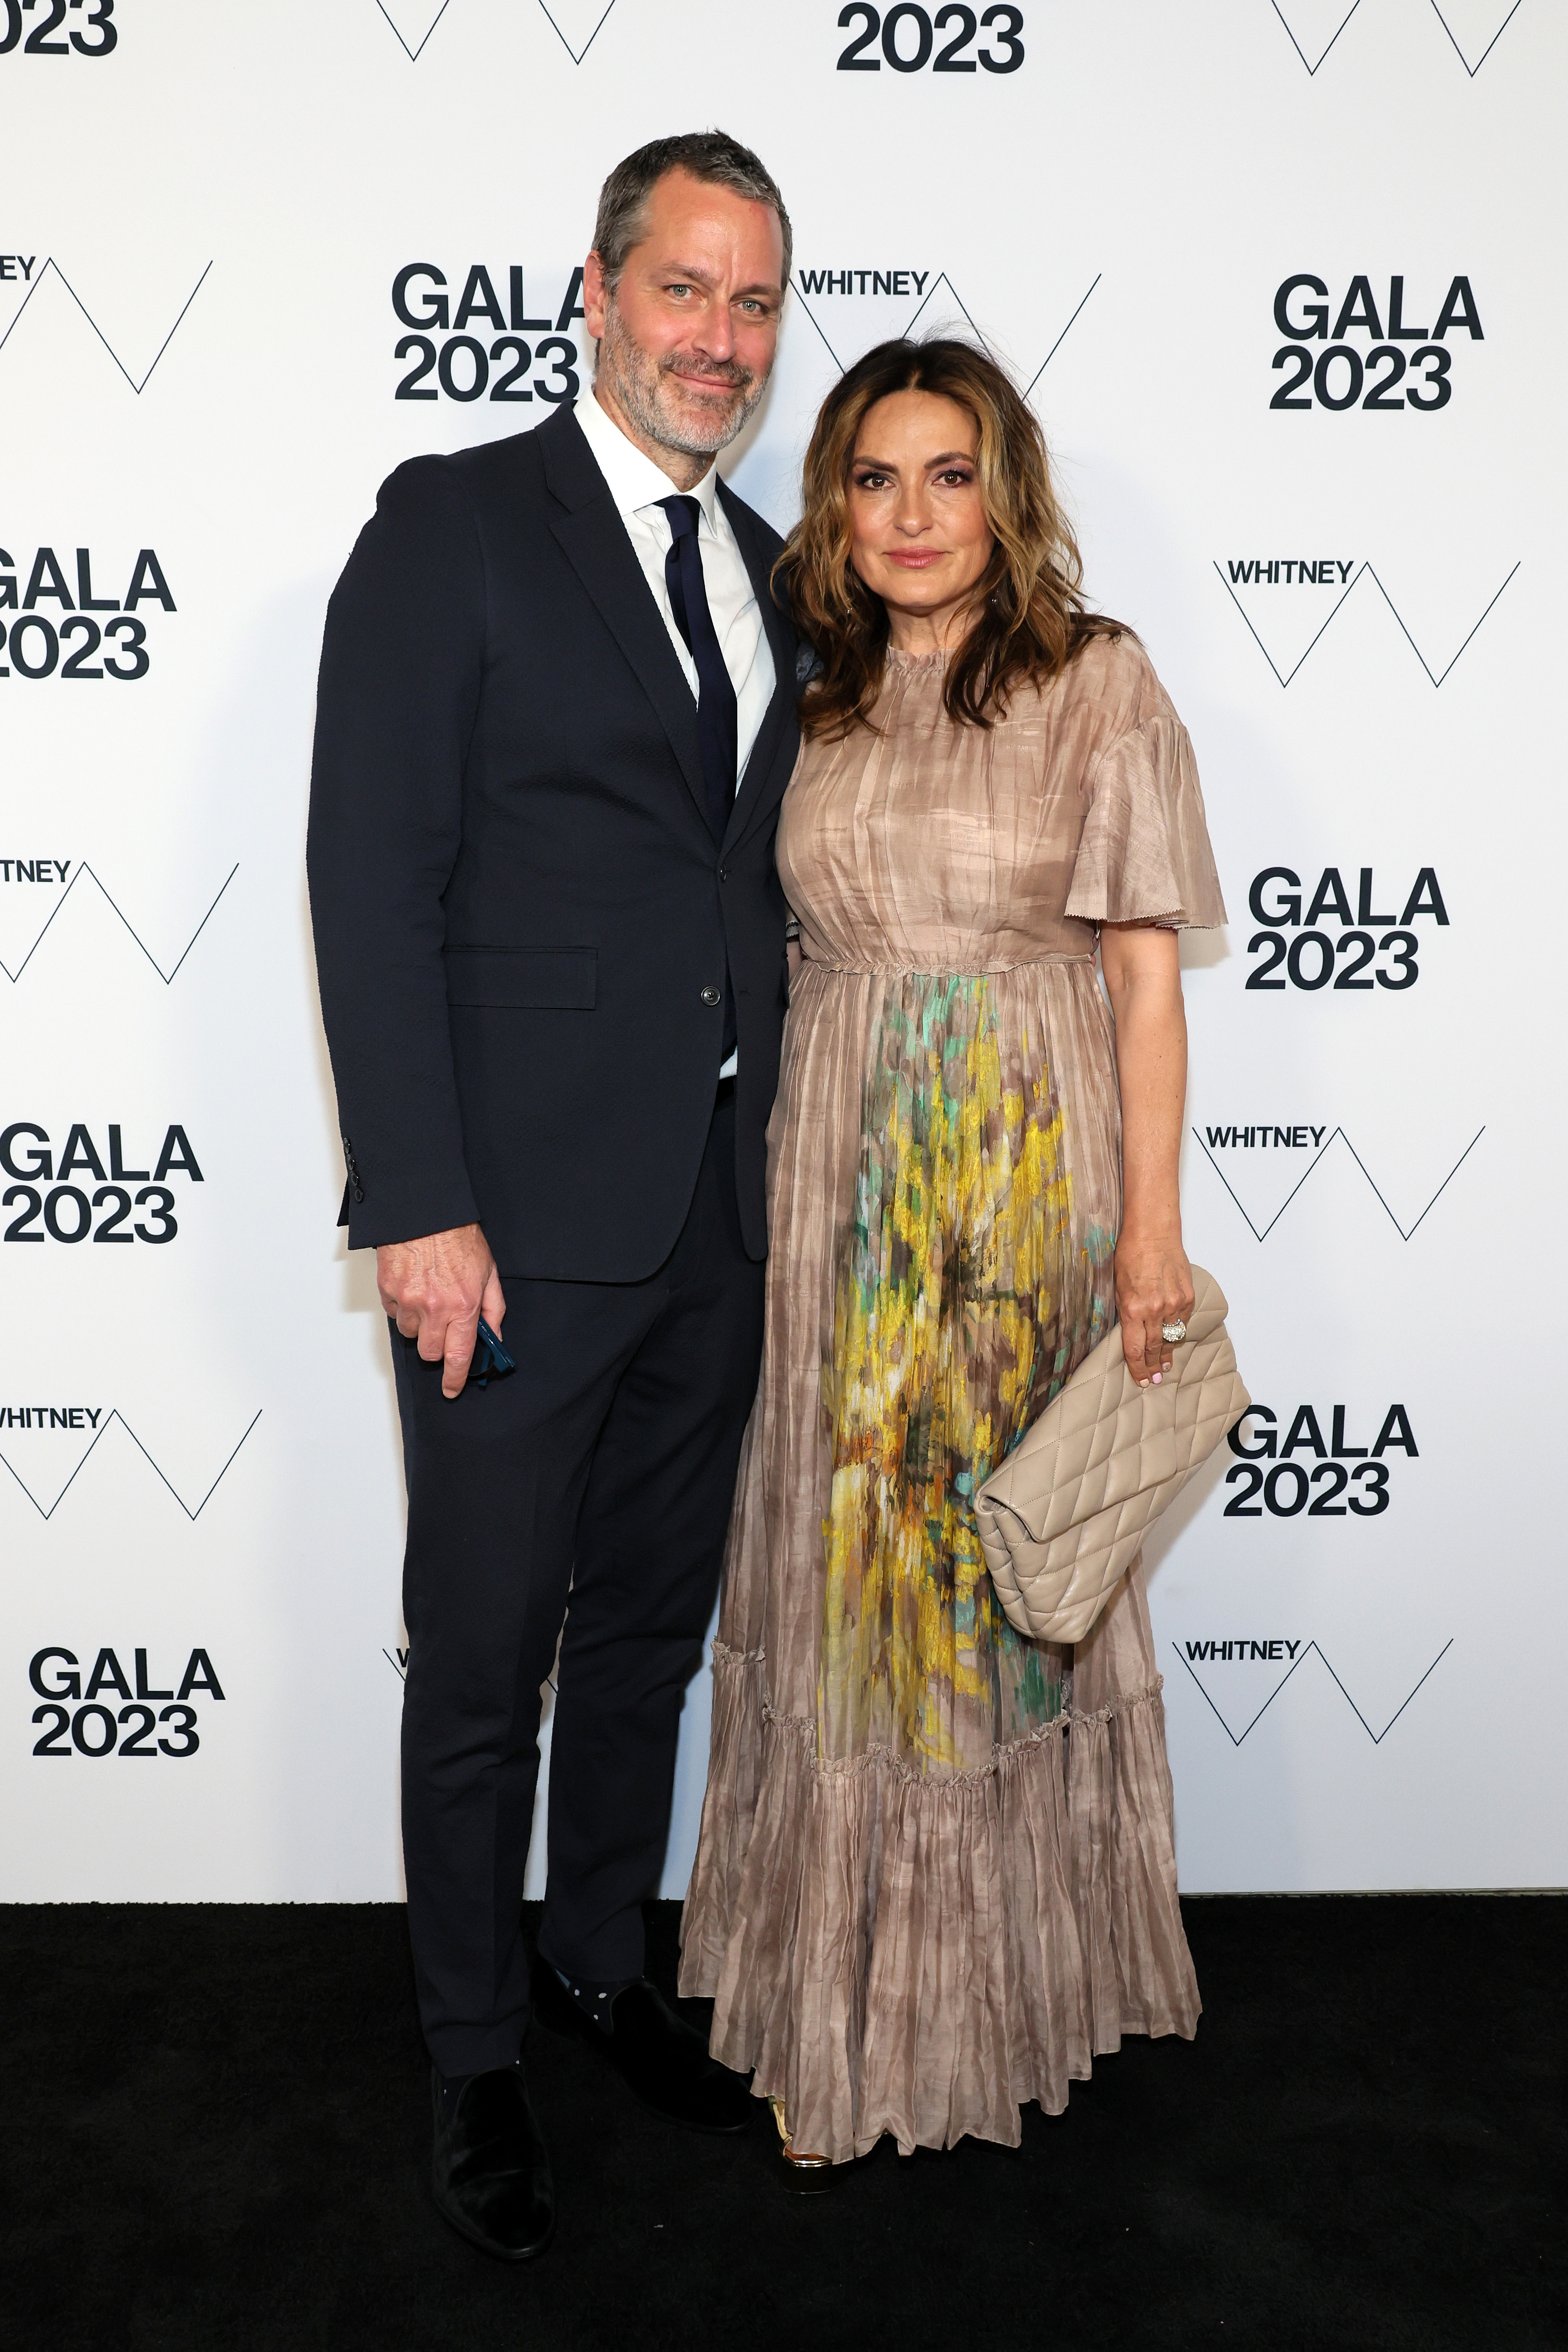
[[584, 1500]]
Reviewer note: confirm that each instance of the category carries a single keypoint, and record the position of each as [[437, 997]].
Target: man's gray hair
[[711, 156]]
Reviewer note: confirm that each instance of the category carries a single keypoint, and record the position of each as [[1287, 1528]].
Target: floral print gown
[[936, 1874]]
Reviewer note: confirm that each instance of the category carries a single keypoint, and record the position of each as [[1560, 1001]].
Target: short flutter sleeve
[[1144, 856]]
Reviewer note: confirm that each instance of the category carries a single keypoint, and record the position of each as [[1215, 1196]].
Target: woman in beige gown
[[936, 1874]]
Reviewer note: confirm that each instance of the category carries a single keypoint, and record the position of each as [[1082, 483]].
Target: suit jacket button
[[710, 996], [723, 874]]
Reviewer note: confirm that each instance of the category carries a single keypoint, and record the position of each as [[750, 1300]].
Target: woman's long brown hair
[[1030, 618]]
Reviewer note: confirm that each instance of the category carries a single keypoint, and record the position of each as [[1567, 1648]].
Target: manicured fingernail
[[1142, 1384], [1156, 1379]]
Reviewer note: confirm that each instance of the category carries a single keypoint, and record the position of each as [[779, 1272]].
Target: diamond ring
[[1173, 1333]]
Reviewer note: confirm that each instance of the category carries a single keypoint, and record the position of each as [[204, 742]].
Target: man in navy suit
[[557, 717]]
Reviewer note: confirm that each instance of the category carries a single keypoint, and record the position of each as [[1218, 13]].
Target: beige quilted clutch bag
[[1062, 1518]]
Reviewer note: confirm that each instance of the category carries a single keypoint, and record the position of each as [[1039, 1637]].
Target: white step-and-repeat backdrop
[[1284, 283]]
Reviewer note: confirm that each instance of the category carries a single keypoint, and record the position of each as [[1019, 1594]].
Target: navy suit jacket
[[522, 920]]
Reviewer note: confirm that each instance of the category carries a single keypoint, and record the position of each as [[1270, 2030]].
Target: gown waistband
[[938, 972]]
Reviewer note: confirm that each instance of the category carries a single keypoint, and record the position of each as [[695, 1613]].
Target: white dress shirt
[[637, 488]]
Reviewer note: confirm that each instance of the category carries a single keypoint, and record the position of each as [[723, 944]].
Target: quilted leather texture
[[1062, 1518]]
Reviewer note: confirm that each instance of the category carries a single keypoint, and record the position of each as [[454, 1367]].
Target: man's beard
[[638, 384]]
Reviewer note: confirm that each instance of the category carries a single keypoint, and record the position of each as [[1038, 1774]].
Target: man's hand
[[435, 1291]]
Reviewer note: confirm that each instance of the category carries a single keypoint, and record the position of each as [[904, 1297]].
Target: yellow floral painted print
[[957, 1269]]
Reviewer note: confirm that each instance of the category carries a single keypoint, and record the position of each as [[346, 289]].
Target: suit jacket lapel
[[759, 790], [592, 536]]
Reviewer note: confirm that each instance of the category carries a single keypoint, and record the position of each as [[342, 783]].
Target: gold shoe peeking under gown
[[805, 2175]]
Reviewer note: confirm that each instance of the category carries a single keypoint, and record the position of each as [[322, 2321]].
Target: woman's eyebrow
[[948, 457]]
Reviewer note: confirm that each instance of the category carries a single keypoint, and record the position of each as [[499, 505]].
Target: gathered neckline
[[901, 660]]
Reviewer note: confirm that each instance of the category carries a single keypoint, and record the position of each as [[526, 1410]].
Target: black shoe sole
[[497, 2254]]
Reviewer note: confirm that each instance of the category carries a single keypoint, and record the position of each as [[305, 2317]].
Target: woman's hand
[[1153, 1287]]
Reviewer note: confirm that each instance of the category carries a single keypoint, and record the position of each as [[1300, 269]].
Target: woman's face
[[921, 540]]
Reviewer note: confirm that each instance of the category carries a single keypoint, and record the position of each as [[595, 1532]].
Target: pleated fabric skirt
[[936, 1875]]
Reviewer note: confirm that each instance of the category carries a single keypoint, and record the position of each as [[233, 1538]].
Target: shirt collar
[[634, 480]]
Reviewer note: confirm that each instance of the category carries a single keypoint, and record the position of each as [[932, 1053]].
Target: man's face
[[687, 339]]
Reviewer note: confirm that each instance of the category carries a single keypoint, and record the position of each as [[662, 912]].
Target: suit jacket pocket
[[523, 979]]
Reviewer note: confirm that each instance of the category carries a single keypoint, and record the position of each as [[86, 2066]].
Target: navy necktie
[[717, 730]]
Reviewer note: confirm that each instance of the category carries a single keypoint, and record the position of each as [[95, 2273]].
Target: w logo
[[575, 22], [49, 267], [841, 300], [1474, 26]]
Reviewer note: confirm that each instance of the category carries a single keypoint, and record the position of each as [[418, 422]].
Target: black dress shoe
[[490, 2170], [662, 2061]]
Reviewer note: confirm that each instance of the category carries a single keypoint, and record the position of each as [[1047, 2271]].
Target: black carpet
[[219, 2131]]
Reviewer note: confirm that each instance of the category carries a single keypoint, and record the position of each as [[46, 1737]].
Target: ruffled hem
[[894, 1953]]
